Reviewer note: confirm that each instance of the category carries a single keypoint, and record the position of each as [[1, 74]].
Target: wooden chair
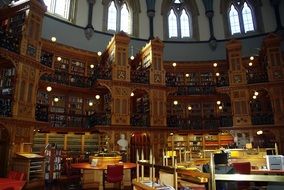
[[114, 174], [242, 168], [72, 178], [16, 175]]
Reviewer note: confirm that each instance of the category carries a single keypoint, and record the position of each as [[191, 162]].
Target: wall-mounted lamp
[[189, 108], [49, 88], [53, 39], [98, 96]]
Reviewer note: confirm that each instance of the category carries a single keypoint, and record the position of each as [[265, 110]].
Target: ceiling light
[[132, 94], [132, 57], [220, 107], [215, 64], [98, 97], [217, 74], [186, 75], [91, 104], [254, 97], [99, 53], [255, 93], [58, 58], [56, 99], [92, 66], [260, 132], [218, 102], [250, 64], [251, 58], [174, 64], [175, 102], [189, 108]]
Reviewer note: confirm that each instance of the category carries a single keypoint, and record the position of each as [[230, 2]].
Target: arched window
[[184, 24], [61, 8], [247, 18], [234, 20], [111, 23], [243, 17], [124, 19], [172, 24], [180, 19], [121, 15]]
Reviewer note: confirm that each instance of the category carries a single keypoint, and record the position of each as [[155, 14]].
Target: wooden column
[[275, 69], [238, 90], [118, 52]]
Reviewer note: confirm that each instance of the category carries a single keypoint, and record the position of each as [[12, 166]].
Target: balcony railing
[[140, 119], [140, 76], [262, 119]]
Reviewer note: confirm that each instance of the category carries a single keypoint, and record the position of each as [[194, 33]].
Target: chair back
[[242, 168], [114, 173], [16, 175]]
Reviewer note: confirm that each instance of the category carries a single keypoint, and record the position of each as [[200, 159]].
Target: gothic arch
[[190, 6], [134, 9], [257, 16]]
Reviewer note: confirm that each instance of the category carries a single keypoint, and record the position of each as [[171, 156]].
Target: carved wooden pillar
[[152, 53], [274, 58], [237, 78], [28, 66], [275, 69], [118, 52]]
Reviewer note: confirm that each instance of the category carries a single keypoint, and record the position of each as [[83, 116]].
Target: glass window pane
[[124, 20], [62, 8], [172, 19], [234, 20], [49, 6], [111, 23], [247, 18], [184, 24]]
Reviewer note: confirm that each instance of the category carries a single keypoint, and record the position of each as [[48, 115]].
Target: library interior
[[142, 95]]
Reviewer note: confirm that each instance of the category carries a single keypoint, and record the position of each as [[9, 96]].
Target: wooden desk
[[269, 172], [93, 175], [7, 182]]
